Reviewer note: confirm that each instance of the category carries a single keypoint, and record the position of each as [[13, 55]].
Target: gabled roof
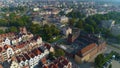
[[20, 58], [26, 56], [36, 52], [47, 46], [53, 66], [58, 63], [86, 49], [32, 55]]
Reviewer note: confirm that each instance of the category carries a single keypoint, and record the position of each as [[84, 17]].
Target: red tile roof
[[87, 48], [59, 63], [20, 58], [6, 47], [26, 56], [36, 52], [53, 66], [23, 58], [31, 55], [45, 66], [63, 60], [20, 46], [47, 45], [43, 60]]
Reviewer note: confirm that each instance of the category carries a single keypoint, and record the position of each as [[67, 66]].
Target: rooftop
[[58, 63]]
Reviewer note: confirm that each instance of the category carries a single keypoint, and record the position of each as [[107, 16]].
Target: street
[[112, 48]]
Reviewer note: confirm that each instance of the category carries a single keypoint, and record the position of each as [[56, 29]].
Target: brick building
[[83, 46]]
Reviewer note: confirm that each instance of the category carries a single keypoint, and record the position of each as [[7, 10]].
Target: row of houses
[[32, 58], [24, 50]]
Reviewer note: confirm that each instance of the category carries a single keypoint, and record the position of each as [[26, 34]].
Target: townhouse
[[23, 49], [60, 62]]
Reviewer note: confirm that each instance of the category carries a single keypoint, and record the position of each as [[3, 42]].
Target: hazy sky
[[85, 0], [107, 0]]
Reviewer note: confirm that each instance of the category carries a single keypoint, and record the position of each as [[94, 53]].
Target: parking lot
[[115, 64]]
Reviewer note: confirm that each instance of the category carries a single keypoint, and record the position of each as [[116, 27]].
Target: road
[[112, 48]]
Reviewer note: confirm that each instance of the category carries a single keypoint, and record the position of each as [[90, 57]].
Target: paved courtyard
[[115, 64]]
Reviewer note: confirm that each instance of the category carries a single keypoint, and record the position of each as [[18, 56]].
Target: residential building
[[23, 50], [60, 62], [64, 19], [14, 65]]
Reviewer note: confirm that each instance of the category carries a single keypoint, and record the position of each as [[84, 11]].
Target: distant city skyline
[[65, 0]]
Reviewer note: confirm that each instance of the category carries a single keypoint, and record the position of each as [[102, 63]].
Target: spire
[[99, 36]]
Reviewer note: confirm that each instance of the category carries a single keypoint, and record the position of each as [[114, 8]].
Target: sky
[[87, 0], [107, 0], [98, 0]]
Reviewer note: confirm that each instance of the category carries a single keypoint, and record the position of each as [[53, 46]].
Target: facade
[[86, 53], [80, 57], [14, 65]]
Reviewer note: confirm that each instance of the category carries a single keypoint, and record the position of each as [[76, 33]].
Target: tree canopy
[[99, 60], [75, 14], [59, 52], [13, 29], [47, 31]]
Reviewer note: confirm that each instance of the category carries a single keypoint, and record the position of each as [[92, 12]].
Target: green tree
[[75, 14], [47, 31], [34, 28], [3, 22], [54, 30], [13, 29], [51, 55], [1, 31], [110, 66], [59, 52], [89, 28], [99, 60], [72, 21], [79, 24]]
